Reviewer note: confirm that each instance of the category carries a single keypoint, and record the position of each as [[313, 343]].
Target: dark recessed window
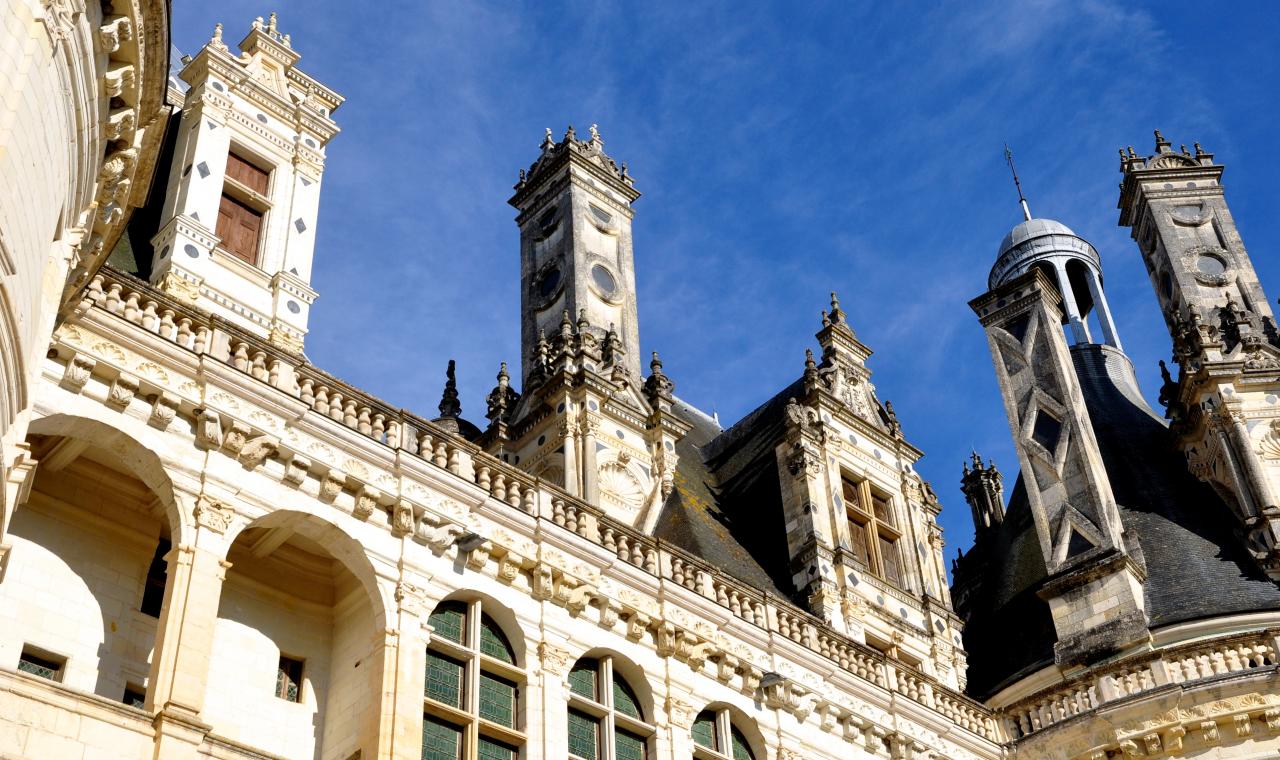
[[41, 664], [549, 282], [157, 576], [1046, 430], [134, 696], [289, 679]]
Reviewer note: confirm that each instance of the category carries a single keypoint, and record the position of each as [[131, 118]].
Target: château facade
[[210, 548]]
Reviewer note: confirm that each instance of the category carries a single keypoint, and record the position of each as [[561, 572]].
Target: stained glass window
[[584, 735], [440, 741], [713, 731], [606, 720], [472, 694]]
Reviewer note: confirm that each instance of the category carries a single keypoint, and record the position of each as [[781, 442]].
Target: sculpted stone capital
[[555, 659], [213, 514]]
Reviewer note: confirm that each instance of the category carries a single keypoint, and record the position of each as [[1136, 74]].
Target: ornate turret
[[237, 231], [983, 487]]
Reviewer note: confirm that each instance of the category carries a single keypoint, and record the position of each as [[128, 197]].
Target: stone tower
[[1224, 334], [238, 227], [575, 247], [1094, 590], [586, 419]]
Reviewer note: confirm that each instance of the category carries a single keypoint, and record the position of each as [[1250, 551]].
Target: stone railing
[[158, 313], [1176, 665]]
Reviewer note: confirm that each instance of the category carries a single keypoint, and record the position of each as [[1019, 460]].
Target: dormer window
[[873, 531], [242, 209]]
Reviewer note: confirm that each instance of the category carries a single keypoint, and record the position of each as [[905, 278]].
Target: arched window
[[472, 704], [716, 738], [606, 721]]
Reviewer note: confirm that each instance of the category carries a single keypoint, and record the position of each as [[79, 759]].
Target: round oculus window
[[604, 280], [1211, 265], [549, 282]]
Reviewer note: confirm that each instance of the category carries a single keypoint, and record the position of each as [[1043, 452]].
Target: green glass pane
[[582, 679], [449, 621], [497, 700], [493, 642], [491, 750], [584, 735], [628, 747], [38, 666], [741, 750], [704, 730], [444, 680], [624, 699], [440, 741]]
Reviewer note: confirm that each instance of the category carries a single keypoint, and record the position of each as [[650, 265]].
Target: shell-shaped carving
[[110, 352], [1269, 446], [619, 487], [552, 473], [153, 371]]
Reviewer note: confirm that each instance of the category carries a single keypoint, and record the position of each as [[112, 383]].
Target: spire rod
[[1008, 157]]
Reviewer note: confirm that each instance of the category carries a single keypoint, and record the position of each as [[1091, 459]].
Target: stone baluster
[[335, 405], [150, 320], [200, 343], [378, 428]]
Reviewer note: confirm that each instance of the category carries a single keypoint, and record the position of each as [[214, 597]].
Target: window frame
[[299, 679], [723, 736], [606, 714], [248, 197], [861, 500], [32, 656], [476, 663]]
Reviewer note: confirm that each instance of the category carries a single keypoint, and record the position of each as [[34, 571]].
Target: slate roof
[[1196, 567], [726, 503]]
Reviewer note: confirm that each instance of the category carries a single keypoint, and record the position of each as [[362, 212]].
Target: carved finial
[[1185, 152], [657, 386], [809, 362], [287, 41], [1199, 150], [977, 460], [826, 321], [450, 406], [217, 34], [891, 417], [271, 23], [1162, 145], [502, 398], [570, 135], [1132, 152], [595, 134], [655, 364], [257, 23], [837, 314], [624, 171]]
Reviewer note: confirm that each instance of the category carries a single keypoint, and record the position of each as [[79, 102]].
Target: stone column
[[572, 475], [1109, 333], [589, 429], [1079, 329], [404, 657], [184, 636]]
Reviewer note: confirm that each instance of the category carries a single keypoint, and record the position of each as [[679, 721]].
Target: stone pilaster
[[404, 652]]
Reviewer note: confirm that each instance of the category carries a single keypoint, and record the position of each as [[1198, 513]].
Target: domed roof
[[1033, 240], [1032, 228]]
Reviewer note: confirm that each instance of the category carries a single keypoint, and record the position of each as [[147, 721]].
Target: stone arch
[[296, 660], [138, 455], [633, 674], [341, 545], [746, 724]]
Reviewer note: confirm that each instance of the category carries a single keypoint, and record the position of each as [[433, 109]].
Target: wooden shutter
[[239, 227], [247, 174]]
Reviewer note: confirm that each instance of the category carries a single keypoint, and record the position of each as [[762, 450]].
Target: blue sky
[[784, 150]]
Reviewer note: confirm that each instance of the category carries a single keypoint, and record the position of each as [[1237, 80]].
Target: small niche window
[[40, 663], [606, 721], [157, 576], [873, 531], [472, 701], [242, 209], [289, 679], [134, 696], [716, 738]]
